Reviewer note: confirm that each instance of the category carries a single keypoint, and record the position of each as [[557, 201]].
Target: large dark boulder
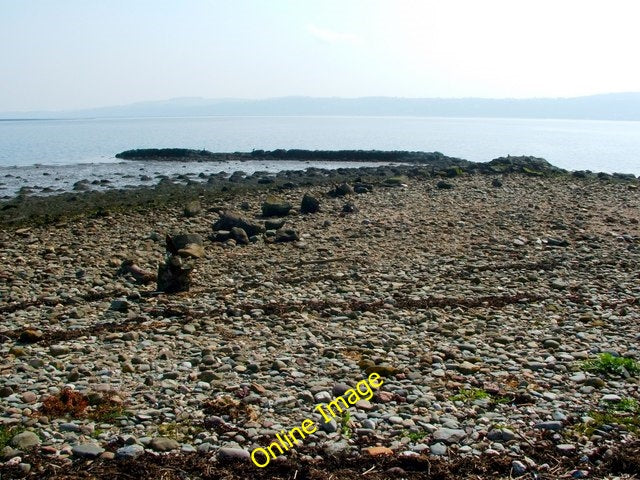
[[342, 190], [174, 275], [310, 204], [274, 207], [229, 220]]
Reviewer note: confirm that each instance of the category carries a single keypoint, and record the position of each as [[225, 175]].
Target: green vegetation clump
[[415, 437], [394, 181], [470, 394], [623, 414], [626, 404], [608, 364], [7, 433], [454, 171]]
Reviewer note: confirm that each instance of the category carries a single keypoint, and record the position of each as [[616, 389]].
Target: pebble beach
[[487, 307]]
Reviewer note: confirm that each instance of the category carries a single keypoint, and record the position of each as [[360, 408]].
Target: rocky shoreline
[[99, 197], [502, 311]]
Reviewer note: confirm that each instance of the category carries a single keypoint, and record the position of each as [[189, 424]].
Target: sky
[[69, 54]]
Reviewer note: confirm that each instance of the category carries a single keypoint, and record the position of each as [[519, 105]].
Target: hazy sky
[[60, 54]]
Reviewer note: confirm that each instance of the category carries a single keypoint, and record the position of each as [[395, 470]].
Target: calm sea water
[[68, 150]]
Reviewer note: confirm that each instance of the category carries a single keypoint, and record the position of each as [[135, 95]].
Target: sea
[[50, 156]]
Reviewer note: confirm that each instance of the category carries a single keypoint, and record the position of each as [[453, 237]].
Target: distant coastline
[[612, 106]]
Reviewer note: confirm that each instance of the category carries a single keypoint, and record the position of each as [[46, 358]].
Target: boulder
[[275, 224], [309, 204], [228, 220], [174, 275], [442, 185], [192, 209], [87, 450], [349, 207], [342, 190], [31, 335], [362, 188], [240, 236], [287, 235], [25, 440], [273, 207], [186, 245]]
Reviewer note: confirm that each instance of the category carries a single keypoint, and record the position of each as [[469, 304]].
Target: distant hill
[[613, 106]]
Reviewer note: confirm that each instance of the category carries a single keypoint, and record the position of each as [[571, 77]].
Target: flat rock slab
[[87, 450]]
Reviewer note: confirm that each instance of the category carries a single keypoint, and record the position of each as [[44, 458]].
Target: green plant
[[415, 436], [625, 404], [7, 433], [345, 427], [608, 364], [630, 422], [470, 394], [501, 399], [170, 430]]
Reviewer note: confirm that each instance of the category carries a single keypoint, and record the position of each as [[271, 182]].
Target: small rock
[[378, 451], [129, 452], [57, 350], [595, 382], [29, 397], [554, 426], [448, 435], [349, 207], [120, 305], [611, 398], [550, 344], [518, 467], [501, 435], [231, 454], [438, 449], [163, 444], [274, 224], [566, 447], [7, 453], [468, 368], [329, 427], [287, 235]]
